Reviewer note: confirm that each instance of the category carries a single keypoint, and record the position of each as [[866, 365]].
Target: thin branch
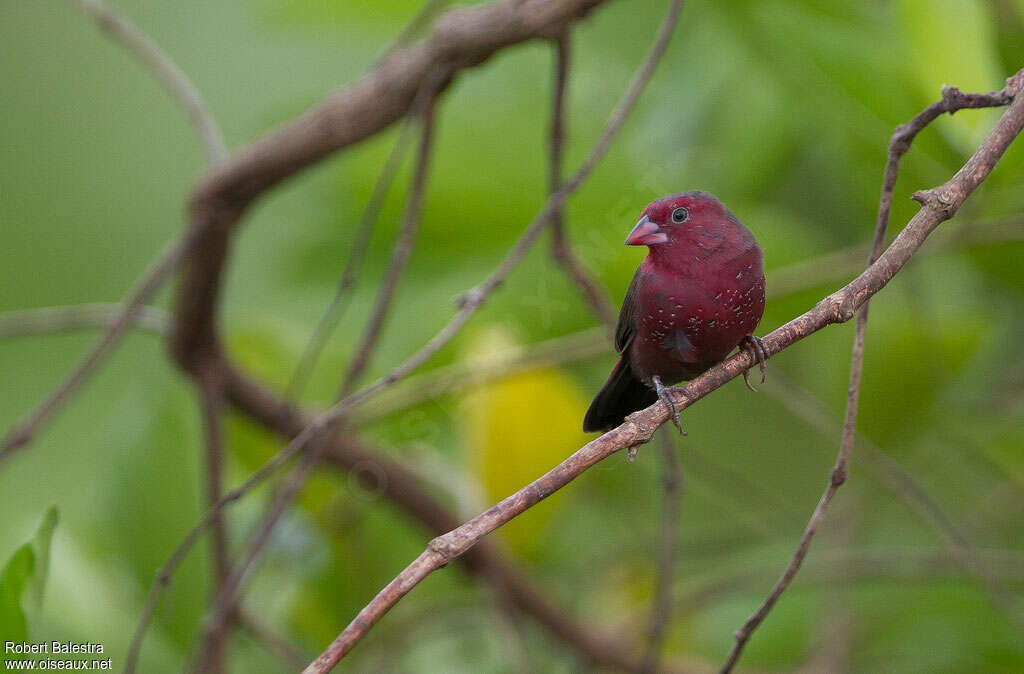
[[224, 606], [938, 205], [353, 265], [465, 375], [166, 572], [22, 432], [404, 242], [668, 543], [177, 84], [427, 11], [211, 399], [904, 485], [561, 249], [288, 653], [952, 100], [184, 93], [50, 320]]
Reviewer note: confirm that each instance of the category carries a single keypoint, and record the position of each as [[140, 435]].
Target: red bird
[[697, 295]]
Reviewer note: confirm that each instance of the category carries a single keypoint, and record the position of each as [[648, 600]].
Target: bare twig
[[952, 100], [184, 93], [427, 11], [177, 84], [464, 375], [938, 205], [19, 435], [350, 274], [403, 243], [561, 249], [48, 320], [224, 605], [904, 485], [668, 542], [273, 642]]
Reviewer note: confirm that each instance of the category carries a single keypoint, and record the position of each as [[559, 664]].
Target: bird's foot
[[755, 347], [666, 397]]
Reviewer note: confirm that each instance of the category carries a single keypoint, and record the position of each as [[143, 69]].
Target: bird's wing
[[626, 327]]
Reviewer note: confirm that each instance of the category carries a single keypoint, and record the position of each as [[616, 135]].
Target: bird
[[699, 294]]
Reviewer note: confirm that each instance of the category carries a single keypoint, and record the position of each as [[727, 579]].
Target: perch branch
[[938, 205], [942, 200]]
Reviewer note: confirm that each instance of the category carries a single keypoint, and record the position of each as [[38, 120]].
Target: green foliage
[[23, 580]]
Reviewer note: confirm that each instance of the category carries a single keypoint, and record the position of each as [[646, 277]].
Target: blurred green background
[[781, 108]]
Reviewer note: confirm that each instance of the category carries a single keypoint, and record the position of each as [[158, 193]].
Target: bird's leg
[[755, 347], [666, 398]]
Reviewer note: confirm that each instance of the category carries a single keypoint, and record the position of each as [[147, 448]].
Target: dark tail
[[622, 394]]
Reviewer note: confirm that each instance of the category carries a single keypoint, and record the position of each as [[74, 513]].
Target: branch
[[49, 320], [211, 398], [901, 483], [403, 243], [273, 642], [350, 274], [943, 201], [668, 540], [561, 250], [938, 205], [122, 30]]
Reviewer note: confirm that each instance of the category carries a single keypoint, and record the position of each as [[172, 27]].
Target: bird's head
[[691, 224]]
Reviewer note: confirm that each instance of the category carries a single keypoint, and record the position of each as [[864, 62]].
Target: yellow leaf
[[517, 428]]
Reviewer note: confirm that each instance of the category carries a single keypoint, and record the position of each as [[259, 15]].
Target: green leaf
[[13, 579], [24, 577], [41, 548]]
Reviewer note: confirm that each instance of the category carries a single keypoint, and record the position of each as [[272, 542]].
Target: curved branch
[[938, 205]]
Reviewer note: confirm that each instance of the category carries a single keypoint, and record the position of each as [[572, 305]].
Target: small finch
[[697, 295]]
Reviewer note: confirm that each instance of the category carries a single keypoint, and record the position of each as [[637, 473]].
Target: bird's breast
[[686, 324]]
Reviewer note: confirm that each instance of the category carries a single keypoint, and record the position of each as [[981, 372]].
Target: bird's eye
[[680, 215]]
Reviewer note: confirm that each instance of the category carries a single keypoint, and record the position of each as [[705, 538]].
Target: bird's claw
[[666, 397], [755, 347]]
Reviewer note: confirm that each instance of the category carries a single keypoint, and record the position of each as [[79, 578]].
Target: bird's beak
[[646, 233]]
